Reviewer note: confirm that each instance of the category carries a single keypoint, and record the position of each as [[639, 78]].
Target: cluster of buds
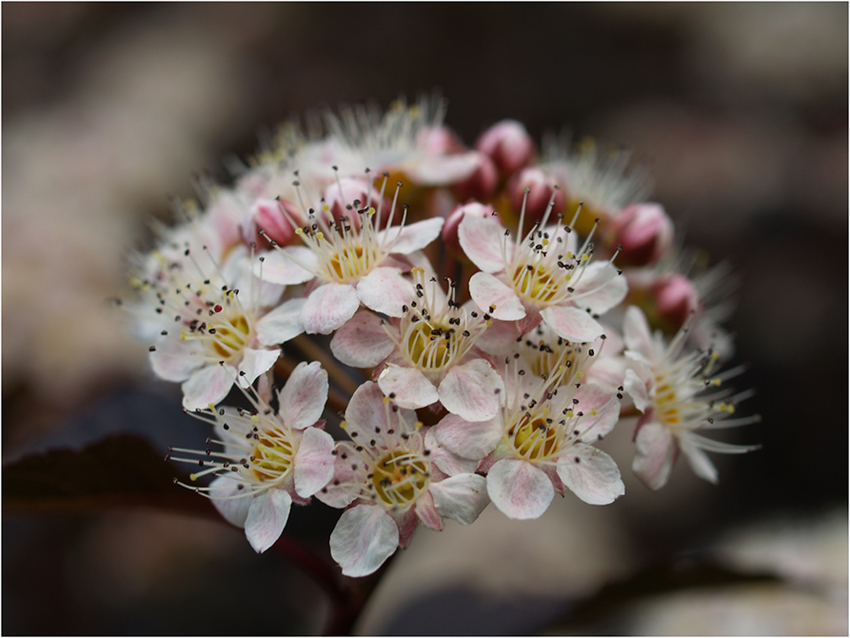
[[495, 312]]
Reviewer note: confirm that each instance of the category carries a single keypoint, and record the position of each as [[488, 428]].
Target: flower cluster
[[503, 308]]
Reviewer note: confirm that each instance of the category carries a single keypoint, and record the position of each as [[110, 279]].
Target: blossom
[[348, 264], [675, 392], [268, 461], [216, 326], [392, 475], [545, 276], [541, 441], [426, 356]]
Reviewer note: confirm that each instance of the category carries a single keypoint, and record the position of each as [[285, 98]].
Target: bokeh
[[738, 110]]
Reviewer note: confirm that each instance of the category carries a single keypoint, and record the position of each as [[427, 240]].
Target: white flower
[[675, 392], [392, 475], [268, 460]]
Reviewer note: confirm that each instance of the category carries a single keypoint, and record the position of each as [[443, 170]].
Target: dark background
[[740, 110]]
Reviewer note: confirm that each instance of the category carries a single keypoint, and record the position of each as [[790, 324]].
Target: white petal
[[601, 288], [470, 439], [591, 475], [480, 238], [572, 323], [314, 462], [366, 411], [636, 333], [697, 459], [279, 268], [384, 290], [487, 291], [462, 497], [654, 452], [473, 391], [412, 237], [362, 342], [266, 518], [231, 499], [173, 362], [281, 324], [446, 460], [412, 389], [328, 307], [208, 385], [302, 399], [601, 411], [442, 170], [519, 489], [636, 387], [364, 537], [255, 362]]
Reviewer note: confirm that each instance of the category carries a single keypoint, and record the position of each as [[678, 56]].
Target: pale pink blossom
[[392, 475], [644, 233], [508, 144], [678, 396], [268, 461]]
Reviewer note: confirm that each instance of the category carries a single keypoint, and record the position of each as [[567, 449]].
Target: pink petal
[[278, 268], [445, 460], [654, 454], [384, 290], [470, 439], [571, 323], [500, 338], [427, 512], [231, 499], [302, 399], [591, 475], [367, 411], [335, 493], [314, 462], [481, 239], [255, 362], [266, 518], [364, 537], [281, 324], [411, 388], [208, 385], [328, 307], [636, 387], [593, 398], [172, 361], [487, 291], [636, 333], [519, 489], [442, 170], [600, 288], [473, 391], [412, 237], [461, 498], [362, 342]]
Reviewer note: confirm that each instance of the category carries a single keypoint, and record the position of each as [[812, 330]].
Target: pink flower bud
[[350, 195], [268, 215], [645, 233], [540, 187], [675, 299], [509, 146], [453, 220], [440, 140], [481, 184]]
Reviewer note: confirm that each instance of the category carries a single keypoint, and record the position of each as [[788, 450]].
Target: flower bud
[[508, 144], [645, 233], [440, 140], [268, 215], [453, 220], [481, 184], [675, 299], [349, 195], [540, 187]]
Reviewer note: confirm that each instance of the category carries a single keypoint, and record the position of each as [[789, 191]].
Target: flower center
[[667, 405], [430, 345], [537, 282], [350, 263], [400, 477], [231, 336], [273, 456], [533, 438]]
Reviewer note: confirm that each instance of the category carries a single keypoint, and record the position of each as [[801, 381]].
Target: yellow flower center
[[349, 264], [230, 338], [400, 477], [533, 438], [537, 282], [429, 345], [273, 457]]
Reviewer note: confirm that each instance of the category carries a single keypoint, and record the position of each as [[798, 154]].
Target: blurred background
[[739, 110]]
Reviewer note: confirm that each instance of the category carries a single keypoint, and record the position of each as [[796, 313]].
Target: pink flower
[[392, 475], [545, 276], [269, 460], [426, 356], [644, 232], [673, 390], [348, 264], [508, 144]]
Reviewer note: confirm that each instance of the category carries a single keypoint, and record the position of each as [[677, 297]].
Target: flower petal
[[461, 498], [302, 399], [591, 475], [284, 266], [488, 292], [254, 363], [364, 537], [226, 491], [636, 333], [281, 324], [601, 288], [314, 462], [427, 512], [412, 389], [362, 342], [470, 439], [208, 385], [266, 518], [473, 391], [481, 239], [572, 323], [384, 290], [328, 307], [366, 412], [173, 362], [412, 237], [601, 411], [636, 387], [519, 489], [447, 461], [698, 459], [654, 453]]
